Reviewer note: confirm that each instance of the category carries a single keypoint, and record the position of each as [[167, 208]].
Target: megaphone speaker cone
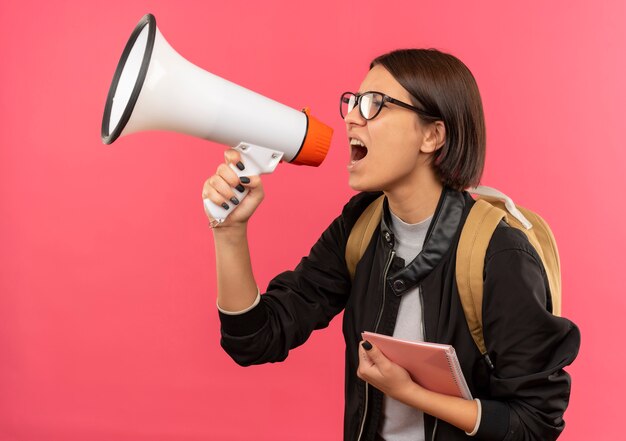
[[128, 79]]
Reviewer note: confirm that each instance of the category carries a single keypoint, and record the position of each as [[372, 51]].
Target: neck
[[417, 199]]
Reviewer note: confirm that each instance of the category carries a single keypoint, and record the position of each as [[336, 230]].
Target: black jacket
[[523, 398]]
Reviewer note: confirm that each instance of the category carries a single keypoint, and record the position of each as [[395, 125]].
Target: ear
[[434, 137]]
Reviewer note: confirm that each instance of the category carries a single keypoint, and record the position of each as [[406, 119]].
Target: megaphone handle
[[257, 160]]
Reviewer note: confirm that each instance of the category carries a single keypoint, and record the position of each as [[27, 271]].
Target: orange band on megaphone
[[316, 142]]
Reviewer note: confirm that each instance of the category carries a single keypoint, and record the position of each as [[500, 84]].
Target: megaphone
[[155, 88]]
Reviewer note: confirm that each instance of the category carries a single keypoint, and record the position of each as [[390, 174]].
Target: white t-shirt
[[402, 422]]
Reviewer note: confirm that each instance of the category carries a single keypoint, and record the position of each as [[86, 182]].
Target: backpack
[[489, 209]]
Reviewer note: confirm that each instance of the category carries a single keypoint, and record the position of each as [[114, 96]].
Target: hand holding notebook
[[431, 365]]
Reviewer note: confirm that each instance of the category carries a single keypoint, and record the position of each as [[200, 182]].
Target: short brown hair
[[442, 85]]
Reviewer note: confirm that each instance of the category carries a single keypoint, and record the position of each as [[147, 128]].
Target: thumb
[[374, 354]]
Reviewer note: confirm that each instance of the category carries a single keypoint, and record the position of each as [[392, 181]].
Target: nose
[[354, 118]]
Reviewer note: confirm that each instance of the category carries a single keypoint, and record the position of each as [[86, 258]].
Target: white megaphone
[[154, 88]]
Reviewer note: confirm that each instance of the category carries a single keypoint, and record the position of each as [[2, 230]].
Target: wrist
[[228, 230], [413, 395], [422, 397], [230, 237]]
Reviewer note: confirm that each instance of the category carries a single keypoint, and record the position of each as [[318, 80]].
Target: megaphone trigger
[[257, 160]]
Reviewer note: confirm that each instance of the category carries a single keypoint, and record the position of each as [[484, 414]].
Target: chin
[[362, 185]]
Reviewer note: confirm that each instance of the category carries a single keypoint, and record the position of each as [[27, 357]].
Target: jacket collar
[[443, 229]]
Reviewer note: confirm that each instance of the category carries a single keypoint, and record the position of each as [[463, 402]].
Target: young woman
[[416, 133]]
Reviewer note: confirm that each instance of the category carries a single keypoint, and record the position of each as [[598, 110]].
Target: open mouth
[[358, 150]]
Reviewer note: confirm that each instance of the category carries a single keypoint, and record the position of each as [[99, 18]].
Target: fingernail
[[225, 206], [240, 165], [234, 200], [366, 345], [245, 179], [240, 188]]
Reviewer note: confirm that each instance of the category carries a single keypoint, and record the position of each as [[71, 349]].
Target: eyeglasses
[[371, 103]]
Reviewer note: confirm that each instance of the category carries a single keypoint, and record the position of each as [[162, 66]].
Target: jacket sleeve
[[296, 303], [528, 345]]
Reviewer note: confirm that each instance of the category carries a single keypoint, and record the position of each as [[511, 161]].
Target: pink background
[[108, 328]]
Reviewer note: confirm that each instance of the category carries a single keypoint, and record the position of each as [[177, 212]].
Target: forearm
[[456, 411], [236, 287]]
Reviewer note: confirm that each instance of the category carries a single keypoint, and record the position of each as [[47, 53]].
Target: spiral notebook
[[431, 365]]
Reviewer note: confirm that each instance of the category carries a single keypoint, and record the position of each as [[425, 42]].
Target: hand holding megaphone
[[223, 191], [154, 88], [227, 188]]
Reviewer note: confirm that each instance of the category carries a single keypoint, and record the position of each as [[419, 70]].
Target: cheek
[[399, 142], [398, 125]]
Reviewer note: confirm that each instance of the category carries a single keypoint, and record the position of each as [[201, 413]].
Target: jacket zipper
[[422, 303], [382, 307], [432, 438], [425, 339], [380, 314]]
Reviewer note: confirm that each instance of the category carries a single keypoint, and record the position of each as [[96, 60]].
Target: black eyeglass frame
[[386, 99]]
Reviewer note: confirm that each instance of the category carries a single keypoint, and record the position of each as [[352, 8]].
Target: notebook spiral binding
[[458, 376]]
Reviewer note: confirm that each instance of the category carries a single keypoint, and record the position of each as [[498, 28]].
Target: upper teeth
[[355, 141]]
